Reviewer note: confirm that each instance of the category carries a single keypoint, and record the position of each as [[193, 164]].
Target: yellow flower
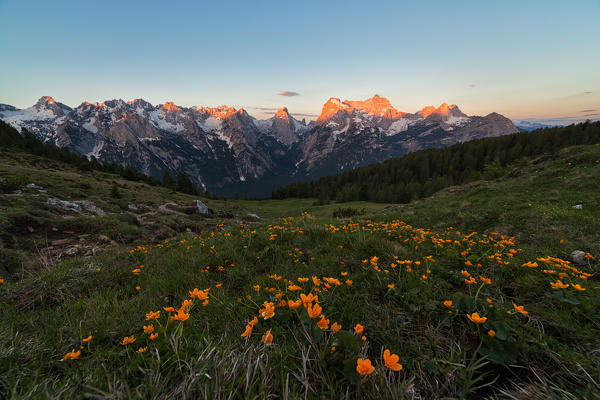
[[577, 286], [127, 340], [148, 329], [267, 338], [323, 323], [520, 309], [72, 355], [476, 318], [448, 303], [87, 339], [359, 329], [391, 361], [153, 315], [314, 311], [364, 367], [335, 327]]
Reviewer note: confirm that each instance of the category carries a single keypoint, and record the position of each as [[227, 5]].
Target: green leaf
[[348, 341]]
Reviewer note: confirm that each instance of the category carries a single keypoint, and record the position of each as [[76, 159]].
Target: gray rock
[[71, 252], [253, 216], [33, 186], [65, 205], [578, 257], [202, 208], [578, 206], [91, 207], [132, 207], [103, 238]]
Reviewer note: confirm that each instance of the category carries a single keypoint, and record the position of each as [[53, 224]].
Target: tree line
[[26, 142], [422, 173]]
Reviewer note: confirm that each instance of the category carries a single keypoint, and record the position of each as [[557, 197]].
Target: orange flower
[[323, 323], [466, 274], [71, 355], [489, 300], [87, 339], [256, 288], [470, 281], [391, 361], [268, 311], [468, 263], [148, 329], [302, 280], [180, 316], [198, 294], [335, 327], [127, 340], [153, 336], [476, 318], [294, 304], [391, 286], [358, 329], [487, 281], [520, 309], [558, 285], [448, 303], [577, 286], [267, 338], [306, 300], [348, 282], [248, 331], [316, 281], [169, 309], [294, 287], [492, 333], [314, 311], [364, 367], [136, 271], [153, 315], [253, 322], [142, 349]]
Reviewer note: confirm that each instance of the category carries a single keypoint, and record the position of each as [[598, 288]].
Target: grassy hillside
[[470, 288]]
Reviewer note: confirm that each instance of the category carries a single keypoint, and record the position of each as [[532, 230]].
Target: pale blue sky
[[537, 59]]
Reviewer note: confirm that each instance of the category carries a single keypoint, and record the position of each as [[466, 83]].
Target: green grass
[[552, 352]]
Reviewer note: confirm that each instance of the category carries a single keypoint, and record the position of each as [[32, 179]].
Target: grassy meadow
[[467, 294]]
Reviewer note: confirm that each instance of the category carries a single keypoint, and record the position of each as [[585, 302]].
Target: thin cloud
[[305, 115], [587, 92], [587, 111], [472, 85], [266, 109], [288, 93]]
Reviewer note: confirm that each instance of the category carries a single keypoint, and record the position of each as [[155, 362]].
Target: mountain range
[[225, 150]]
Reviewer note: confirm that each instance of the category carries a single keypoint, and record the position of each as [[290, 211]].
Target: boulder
[[578, 257], [202, 208], [132, 207], [65, 205], [578, 206], [91, 207], [253, 216]]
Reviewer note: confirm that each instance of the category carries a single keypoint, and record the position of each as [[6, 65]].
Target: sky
[[531, 59]]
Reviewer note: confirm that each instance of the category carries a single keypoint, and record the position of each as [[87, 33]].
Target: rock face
[[225, 150]]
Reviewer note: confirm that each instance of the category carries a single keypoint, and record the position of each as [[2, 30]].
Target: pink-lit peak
[[48, 99], [282, 113], [443, 109], [220, 112], [170, 106], [377, 105], [332, 107]]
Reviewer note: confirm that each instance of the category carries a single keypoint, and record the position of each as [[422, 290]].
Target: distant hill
[[424, 172]]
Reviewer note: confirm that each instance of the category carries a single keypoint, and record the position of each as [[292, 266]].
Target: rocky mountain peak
[[378, 106], [220, 112], [333, 106], [283, 113], [170, 106]]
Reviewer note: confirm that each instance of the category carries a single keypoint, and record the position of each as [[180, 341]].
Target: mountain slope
[[225, 150]]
